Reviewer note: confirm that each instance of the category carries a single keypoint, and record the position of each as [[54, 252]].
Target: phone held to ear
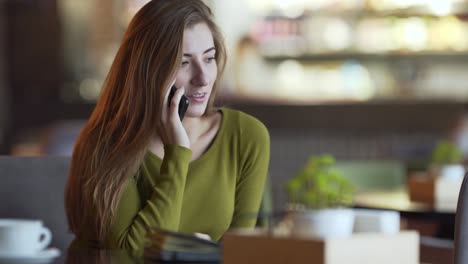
[[183, 104]]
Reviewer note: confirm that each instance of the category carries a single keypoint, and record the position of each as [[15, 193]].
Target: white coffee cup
[[20, 237]]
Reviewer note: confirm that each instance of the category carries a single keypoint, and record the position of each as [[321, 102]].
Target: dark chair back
[[461, 225], [33, 188]]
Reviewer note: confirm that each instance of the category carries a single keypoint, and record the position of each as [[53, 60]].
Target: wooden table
[[105, 256], [399, 200]]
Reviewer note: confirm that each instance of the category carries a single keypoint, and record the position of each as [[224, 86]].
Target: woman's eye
[[211, 59], [184, 63]]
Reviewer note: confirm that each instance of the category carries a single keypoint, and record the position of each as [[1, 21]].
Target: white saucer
[[44, 256]]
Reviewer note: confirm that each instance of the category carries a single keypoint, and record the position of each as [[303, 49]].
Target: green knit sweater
[[220, 190]]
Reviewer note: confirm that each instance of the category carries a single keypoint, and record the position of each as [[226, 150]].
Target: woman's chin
[[194, 112]]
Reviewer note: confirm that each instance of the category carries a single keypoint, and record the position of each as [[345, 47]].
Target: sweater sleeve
[[132, 221], [254, 158]]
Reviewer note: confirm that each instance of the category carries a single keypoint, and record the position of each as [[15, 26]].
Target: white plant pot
[[323, 223], [449, 171], [453, 171]]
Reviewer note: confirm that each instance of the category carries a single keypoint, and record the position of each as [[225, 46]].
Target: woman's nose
[[200, 78]]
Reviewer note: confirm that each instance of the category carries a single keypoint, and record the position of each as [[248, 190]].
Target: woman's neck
[[196, 126]]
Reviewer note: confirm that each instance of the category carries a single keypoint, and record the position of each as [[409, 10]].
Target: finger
[[165, 101], [168, 91], [174, 106]]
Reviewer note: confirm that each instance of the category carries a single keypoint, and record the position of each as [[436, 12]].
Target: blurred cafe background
[[374, 82]]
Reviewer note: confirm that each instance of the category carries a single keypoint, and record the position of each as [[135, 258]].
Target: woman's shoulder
[[245, 123], [240, 116]]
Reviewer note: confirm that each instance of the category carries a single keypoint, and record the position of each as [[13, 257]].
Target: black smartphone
[[183, 104]]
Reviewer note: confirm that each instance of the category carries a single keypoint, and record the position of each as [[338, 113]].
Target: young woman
[[136, 165]]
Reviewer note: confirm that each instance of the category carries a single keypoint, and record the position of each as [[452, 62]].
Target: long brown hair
[[112, 144]]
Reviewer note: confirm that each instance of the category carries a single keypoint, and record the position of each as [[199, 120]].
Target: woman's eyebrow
[[206, 51]]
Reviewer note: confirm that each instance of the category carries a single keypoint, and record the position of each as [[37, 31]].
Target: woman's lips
[[197, 97]]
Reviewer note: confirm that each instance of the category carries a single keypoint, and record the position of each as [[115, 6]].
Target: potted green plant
[[319, 200], [447, 161]]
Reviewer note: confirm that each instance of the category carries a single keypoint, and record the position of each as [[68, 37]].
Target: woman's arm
[[132, 221]]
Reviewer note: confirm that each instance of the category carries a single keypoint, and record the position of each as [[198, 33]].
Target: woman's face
[[198, 70]]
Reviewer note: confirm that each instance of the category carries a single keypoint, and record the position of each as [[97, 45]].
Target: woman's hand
[[171, 130]]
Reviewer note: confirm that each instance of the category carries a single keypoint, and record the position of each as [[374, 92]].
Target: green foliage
[[317, 185], [446, 153]]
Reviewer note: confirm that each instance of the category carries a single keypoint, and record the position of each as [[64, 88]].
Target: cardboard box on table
[[360, 248]]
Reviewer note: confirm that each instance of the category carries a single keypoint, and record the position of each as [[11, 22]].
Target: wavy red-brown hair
[[113, 143]]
